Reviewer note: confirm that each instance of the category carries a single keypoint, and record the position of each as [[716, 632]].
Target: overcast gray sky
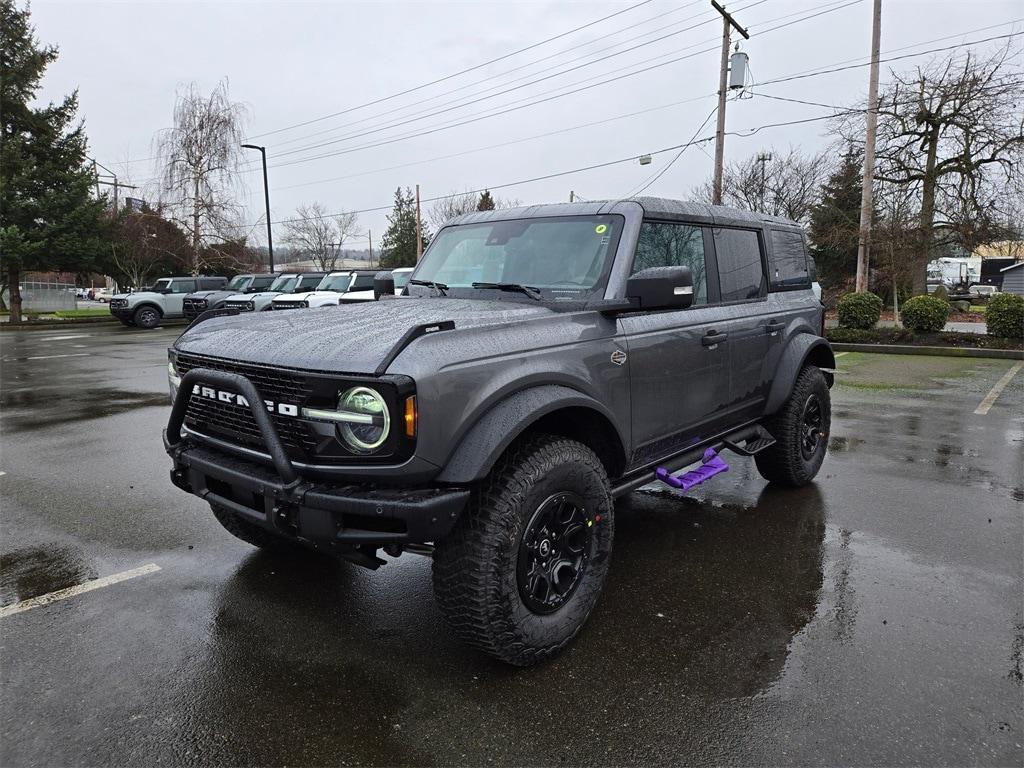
[[292, 62]]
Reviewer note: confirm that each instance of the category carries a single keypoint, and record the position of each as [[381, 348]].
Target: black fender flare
[[803, 348], [488, 438]]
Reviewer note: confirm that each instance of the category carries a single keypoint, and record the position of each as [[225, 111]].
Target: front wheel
[[146, 317], [801, 429], [525, 565]]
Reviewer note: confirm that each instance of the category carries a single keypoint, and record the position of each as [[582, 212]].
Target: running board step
[[754, 444], [711, 465]]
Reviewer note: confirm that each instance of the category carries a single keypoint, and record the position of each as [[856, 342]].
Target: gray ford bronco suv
[[546, 361]]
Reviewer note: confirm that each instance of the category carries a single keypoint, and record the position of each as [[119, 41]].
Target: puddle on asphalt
[[47, 410], [34, 571]]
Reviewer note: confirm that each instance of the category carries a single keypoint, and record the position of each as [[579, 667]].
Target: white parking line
[[840, 354], [45, 357], [65, 338], [89, 586], [994, 393]]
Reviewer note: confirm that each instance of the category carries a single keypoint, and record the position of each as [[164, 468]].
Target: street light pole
[[266, 198]]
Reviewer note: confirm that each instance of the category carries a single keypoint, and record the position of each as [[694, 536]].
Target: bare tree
[[200, 156], [953, 132], [782, 184], [319, 235], [447, 208]]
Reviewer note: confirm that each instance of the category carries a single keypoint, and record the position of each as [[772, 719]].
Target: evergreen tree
[[48, 220], [486, 201], [835, 222], [399, 243]]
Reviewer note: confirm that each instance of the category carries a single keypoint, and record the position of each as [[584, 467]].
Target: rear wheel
[[801, 429], [525, 565], [146, 317]]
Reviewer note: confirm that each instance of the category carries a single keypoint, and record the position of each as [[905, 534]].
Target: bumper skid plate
[[280, 500]]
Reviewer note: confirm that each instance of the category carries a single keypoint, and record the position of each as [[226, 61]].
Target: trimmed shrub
[[924, 314], [859, 310], [1004, 316]]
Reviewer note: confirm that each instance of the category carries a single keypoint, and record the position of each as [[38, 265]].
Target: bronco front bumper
[[321, 515]]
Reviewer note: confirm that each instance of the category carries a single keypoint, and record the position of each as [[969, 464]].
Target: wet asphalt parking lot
[[874, 617]]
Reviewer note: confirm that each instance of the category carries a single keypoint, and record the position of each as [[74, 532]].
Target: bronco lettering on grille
[[284, 409]]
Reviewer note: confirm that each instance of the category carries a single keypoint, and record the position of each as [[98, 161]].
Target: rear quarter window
[[789, 267]]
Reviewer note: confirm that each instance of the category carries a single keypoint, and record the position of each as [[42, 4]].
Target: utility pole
[[419, 227], [572, 196], [763, 158], [369, 234], [866, 200], [727, 23]]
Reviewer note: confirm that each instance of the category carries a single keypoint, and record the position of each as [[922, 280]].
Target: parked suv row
[[335, 288], [197, 303]]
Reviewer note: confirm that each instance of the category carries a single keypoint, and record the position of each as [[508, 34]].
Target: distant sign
[[134, 204]]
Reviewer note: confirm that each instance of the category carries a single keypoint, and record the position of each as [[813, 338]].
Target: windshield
[[239, 283], [337, 283], [161, 285], [284, 283], [566, 255], [308, 282], [401, 278]]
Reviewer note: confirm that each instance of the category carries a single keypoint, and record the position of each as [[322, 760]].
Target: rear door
[[742, 276], [678, 373], [789, 281]]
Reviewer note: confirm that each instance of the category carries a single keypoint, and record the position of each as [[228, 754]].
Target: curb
[[898, 349]]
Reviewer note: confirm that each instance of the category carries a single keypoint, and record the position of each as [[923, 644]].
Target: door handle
[[774, 327], [711, 338]]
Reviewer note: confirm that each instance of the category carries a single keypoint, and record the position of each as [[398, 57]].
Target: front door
[[679, 374], [174, 300]]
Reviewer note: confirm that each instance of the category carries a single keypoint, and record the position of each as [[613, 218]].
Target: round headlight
[[369, 433], [305, 304], [250, 305]]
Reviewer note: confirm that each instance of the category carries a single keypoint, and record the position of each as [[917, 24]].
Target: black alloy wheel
[[553, 552], [810, 427]]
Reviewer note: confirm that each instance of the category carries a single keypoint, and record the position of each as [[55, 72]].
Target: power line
[[451, 106], [514, 69], [454, 74], [679, 154]]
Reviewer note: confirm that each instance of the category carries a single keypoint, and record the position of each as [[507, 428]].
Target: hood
[[140, 294], [219, 295], [349, 339], [297, 296], [244, 297]]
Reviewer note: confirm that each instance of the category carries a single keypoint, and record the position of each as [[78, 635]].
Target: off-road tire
[[785, 463], [253, 534], [146, 317], [475, 567]]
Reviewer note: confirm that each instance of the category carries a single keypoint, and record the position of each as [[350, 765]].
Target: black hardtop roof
[[654, 207], [191, 277]]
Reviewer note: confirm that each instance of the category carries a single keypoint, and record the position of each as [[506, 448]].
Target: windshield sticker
[[601, 229]]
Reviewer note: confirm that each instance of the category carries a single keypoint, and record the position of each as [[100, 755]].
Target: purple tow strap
[[711, 465]]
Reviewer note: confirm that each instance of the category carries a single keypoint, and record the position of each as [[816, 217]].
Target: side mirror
[[661, 288], [383, 285]]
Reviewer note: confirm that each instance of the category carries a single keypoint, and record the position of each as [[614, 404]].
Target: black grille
[[287, 305], [228, 420], [194, 307]]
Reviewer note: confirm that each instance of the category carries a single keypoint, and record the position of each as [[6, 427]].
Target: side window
[[789, 264], [362, 282], [739, 264], [673, 245], [183, 286], [259, 283]]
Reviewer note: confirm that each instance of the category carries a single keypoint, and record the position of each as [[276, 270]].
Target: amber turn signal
[[410, 416]]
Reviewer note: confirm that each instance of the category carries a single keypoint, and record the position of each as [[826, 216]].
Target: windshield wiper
[[439, 287], [529, 290]]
